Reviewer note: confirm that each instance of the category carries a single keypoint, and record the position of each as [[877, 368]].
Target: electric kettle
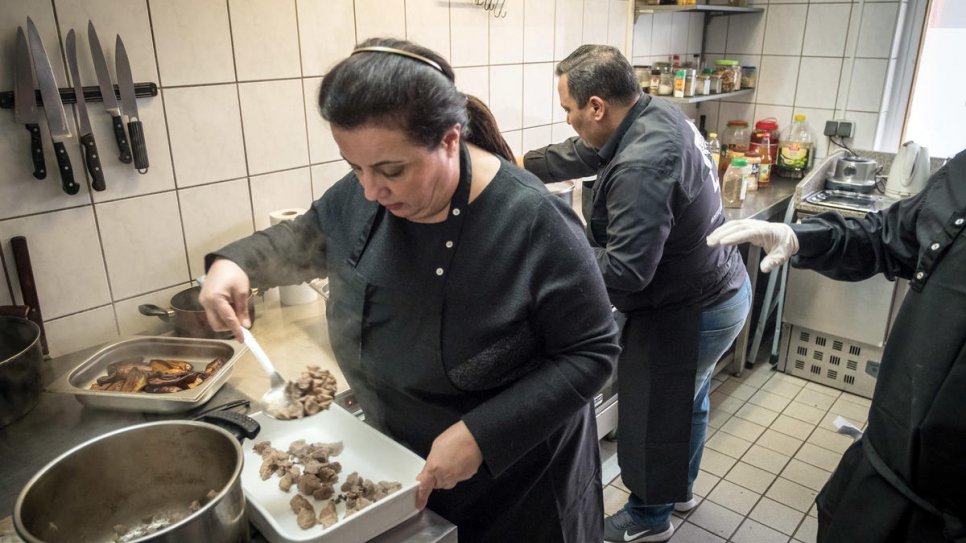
[[909, 172]]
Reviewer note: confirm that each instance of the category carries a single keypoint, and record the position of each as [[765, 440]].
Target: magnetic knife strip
[[91, 94]]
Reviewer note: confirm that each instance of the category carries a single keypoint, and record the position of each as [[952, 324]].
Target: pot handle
[[151, 310], [240, 426]]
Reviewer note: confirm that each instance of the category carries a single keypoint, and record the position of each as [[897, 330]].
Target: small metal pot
[[21, 363], [119, 481], [188, 316]]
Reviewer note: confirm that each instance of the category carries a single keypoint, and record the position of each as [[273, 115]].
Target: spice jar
[[749, 77], [666, 87], [730, 74], [702, 83], [655, 83], [715, 83], [643, 74], [689, 82]]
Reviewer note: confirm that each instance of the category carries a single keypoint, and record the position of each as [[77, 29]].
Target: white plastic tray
[[367, 451]]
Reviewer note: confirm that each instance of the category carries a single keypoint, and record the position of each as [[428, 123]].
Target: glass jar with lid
[[749, 77], [702, 83], [714, 82], [730, 74]]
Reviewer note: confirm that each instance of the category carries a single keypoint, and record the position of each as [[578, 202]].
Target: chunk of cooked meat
[[157, 375], [312, 392], [304, 512], [214, 366], [170, 367], [328, 515]]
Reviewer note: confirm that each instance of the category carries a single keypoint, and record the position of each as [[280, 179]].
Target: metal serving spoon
[[277, 402]]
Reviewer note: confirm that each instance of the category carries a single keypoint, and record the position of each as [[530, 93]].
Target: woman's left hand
[[454, 457]]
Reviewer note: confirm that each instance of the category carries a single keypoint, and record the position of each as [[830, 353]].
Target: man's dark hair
[[599, 70]]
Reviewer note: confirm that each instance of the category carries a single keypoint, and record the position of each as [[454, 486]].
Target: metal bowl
[[21, 362]]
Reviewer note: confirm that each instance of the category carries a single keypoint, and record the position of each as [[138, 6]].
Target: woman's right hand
[[224, 295]]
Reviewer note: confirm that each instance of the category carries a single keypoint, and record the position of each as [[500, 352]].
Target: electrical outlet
[[831, 128], [845, 129]]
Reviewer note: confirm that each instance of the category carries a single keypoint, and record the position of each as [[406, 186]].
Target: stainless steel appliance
[[909, 171], [853, 174]]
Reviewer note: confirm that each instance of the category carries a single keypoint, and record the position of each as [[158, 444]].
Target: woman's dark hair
[[599, 70], [397, 91]]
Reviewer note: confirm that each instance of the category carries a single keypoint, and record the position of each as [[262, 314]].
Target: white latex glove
[[776, 238]]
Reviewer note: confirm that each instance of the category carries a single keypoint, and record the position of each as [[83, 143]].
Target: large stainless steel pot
[[188, 315], [21, 362], [124, 477]]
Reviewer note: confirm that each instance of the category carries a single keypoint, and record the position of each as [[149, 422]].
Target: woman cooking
[[467, 312]]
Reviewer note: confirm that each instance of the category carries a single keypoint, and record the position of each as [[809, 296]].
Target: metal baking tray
[[366, 450], [196, 351]]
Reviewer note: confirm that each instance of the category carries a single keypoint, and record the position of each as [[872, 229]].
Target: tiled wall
[[234, 132], [827, 59]]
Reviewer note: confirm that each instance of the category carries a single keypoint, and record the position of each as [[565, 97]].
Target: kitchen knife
[[25, 103], [129, 107], [107, 94], [53, 108], [91, 159]]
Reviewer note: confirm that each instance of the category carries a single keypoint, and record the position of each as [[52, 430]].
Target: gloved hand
[[776, 238]]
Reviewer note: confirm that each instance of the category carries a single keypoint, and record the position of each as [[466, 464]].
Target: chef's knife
[[53, 108], [91, 159], [107, 94], [25, 103], [129, 107]]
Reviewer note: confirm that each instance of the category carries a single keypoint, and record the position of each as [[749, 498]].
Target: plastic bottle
[[714, 147], [795, 150], [754, 165], [764, 169], [733, 184]]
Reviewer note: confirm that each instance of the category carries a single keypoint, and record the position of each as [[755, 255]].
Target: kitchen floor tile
[[742, 428], [804, 412], [757, 414], [765, 459], [780, 442], [728, 444], [614, 499], [818, 457], [716, 519], [815, 399], [737, 389], [704, 482], [755, 532], [770, 401], [722, 402], [750, 477], [823, 389], [791, 494], [689, 533], [852, 411], [734, 497], [827, 439], [805, 474], [716, 463], [775, 515], [849, 397], [794, 427], [782, 388], [807, 530], [717, 418]]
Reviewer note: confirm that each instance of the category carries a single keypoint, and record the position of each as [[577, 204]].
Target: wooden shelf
[[706, 97]]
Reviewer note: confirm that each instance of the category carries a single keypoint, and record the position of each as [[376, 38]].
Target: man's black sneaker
[[621, 528]]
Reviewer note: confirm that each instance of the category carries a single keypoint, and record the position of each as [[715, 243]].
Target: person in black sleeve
[[905, 479], [654, 200], [466, 310]]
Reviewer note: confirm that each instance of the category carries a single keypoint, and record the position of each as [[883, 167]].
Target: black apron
[[905, 479], [385, 319], [655, 379]]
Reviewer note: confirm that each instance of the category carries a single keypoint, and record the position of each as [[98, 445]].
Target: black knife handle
[[138, 145], [63, 166], [121, 139], [37, 150], [93, 161]]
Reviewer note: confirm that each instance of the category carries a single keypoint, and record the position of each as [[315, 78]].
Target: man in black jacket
[[653, 202], [905, 479]]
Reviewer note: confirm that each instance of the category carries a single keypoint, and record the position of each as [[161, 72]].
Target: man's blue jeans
[[720, 325]]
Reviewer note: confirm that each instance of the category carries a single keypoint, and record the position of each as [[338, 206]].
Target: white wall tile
[[695, 33], [273, 120], [643, 29], [865, 126], [130, 321], [506, 95], [265, 39], [568, 27], [280, 190], [506, 38], [878, 29], [80, 330], [471, 26], [514, 139], [427, 23], [680, 27], [380, 18], [868, 81], [561, 132], [746, 34], [717, 37], [204, 124], [66, 258], [661, 34], [327, 33], [143, 243], [730, 111], [818, 82], [326, 175], [559, 115], [538, 85], [777, 80], [536, 137], [193, 41], [475, 81], [595, 21], [826, 29], [617, 23], [322, 147], [214, 216], [538, 32], [785, 29]]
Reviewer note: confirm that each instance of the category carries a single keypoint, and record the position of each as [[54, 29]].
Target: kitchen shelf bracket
[[91, 94]]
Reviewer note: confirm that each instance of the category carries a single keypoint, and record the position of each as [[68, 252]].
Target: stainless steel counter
[[292, 336]]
